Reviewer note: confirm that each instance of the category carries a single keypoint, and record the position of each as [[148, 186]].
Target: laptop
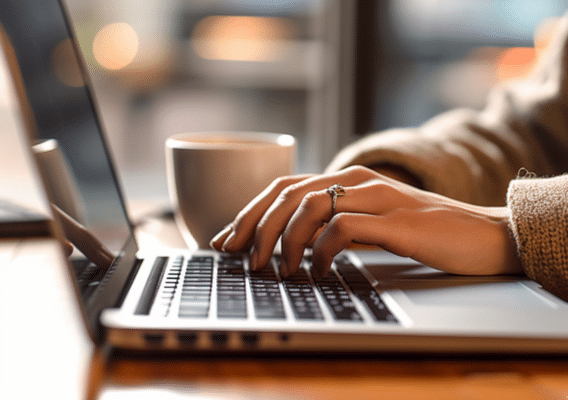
[[203, 301]]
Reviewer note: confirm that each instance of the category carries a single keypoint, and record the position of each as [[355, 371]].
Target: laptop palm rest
[[425, 286]]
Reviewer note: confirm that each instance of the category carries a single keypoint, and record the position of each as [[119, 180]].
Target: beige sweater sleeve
[[472, 156], [539, 221]]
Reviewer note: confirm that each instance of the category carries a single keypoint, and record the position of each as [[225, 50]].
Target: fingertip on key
[[219, 239], [229, 244], [253, 260], [283, 269]]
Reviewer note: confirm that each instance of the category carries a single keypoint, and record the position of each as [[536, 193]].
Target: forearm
[[472, 155], [454, 155]]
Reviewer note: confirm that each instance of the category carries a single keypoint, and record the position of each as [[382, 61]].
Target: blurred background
[[325, 71]]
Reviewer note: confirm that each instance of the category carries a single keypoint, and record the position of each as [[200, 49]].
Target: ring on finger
[[335, 191]]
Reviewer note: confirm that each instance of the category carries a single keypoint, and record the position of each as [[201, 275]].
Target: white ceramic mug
[[213, 175], [60, 180]]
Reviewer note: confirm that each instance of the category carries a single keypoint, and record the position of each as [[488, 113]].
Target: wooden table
[[51, 357], [310, 378]]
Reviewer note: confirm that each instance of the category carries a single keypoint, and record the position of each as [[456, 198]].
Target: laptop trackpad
[[477, 294], [425, 286]]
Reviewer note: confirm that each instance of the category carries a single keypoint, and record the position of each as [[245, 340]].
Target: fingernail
[[283, 270], [253, 260], [216, 242], [229, 242]]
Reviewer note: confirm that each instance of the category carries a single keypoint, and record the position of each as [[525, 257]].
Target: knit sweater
[[539, 222], [474, 156]]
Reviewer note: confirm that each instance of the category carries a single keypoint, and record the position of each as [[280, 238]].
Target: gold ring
[[335, 191]]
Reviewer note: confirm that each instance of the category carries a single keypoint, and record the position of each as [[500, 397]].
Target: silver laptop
[[204, 301]]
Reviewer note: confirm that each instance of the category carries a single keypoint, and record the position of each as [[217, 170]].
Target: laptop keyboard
[[266, 295], [231, 288], [302, 297], [88, 275], [363, 290], [195, 300], [229, 298], [337, 298]]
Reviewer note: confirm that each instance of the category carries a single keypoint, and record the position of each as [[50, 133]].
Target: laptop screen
[[64, 111]]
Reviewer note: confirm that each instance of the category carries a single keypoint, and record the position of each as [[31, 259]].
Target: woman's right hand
[[437, 231]]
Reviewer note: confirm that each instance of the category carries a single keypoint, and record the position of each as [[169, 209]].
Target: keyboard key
[[196, 288], [231, 289], [337, 298], [302, 297], [267, 300], [363, 290]]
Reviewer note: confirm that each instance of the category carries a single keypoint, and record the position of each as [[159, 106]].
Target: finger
[[242, 229], [276, 218], [374, 197], [67, 248], [391, 232], [311, 242], [84, 240], [218, 240], [312, 213]]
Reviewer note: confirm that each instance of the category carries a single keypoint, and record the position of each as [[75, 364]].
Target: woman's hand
[[437, 231]]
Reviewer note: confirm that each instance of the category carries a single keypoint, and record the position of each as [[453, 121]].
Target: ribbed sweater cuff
[[539, 221]]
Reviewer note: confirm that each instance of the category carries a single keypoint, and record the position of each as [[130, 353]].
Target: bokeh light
[[518, 62], [515, 62], [241, 38], [115, 45]]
